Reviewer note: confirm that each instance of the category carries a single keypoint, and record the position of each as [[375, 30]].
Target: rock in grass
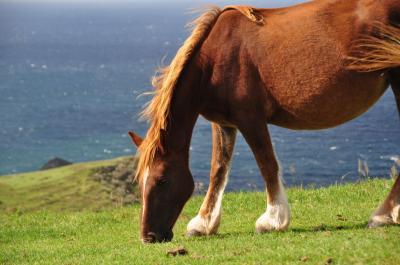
[[328, 260], [54, 163], [179, 251]]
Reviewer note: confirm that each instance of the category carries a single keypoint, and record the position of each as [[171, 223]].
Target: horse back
[[292, 68]]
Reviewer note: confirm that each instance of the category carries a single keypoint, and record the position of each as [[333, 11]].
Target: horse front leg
[[277, 214], [208, 218], [389, 211]]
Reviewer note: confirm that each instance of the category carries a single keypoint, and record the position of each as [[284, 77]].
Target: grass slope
[[327, 223], [68, 187]]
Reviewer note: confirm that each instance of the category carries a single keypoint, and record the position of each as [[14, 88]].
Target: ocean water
[[70, 80]]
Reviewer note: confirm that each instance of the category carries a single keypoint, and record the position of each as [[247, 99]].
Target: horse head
[[166, 184]]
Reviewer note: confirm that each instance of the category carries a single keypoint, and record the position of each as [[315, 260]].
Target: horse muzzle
[[152, 237]]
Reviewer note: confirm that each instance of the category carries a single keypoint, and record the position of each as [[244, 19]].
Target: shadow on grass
[[331, 228], [316, 229]]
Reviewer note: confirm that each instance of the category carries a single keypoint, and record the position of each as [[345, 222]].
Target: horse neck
[[184, 112]]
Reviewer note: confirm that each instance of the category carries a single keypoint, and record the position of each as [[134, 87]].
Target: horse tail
[[157, 111], [376, 52]]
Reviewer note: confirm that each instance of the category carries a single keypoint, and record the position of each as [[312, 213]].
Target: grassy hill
[[63, 217], [64, 188]]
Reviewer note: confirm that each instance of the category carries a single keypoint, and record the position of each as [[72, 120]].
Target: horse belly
[[328, 106]]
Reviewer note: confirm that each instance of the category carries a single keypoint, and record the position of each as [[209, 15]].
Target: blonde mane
[[377, 52], [157, 112]]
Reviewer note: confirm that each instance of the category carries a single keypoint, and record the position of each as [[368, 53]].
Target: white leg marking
[[379, 220], [396, 214], [208, 225], [145, 177], [382, 217], [277, 215]]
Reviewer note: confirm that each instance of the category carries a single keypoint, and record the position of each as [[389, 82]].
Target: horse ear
[[136, 139]]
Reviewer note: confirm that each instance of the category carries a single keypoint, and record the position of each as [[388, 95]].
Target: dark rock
[[54, 163], [117, 182], [129, 198]]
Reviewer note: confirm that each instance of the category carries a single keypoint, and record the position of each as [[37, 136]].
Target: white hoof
[[202, 226], [380, 219], [276, 218]]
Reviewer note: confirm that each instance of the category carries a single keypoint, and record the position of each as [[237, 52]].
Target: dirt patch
[[179, 251], [328, 260]]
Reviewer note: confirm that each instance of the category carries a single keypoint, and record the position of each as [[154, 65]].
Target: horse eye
[[394, 18], [162, 180]]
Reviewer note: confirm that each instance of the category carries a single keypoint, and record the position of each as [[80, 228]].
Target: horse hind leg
[[389, 211], [208, 218], [277, 214]]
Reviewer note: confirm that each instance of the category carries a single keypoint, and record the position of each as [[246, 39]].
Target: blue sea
[[71, 76]]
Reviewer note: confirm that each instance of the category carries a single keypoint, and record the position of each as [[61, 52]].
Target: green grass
[[65, 188], [111, 236]]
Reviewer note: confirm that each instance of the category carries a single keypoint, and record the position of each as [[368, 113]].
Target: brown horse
[[311, 66]]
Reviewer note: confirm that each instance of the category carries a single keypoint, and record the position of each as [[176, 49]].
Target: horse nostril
[[150, 238]]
